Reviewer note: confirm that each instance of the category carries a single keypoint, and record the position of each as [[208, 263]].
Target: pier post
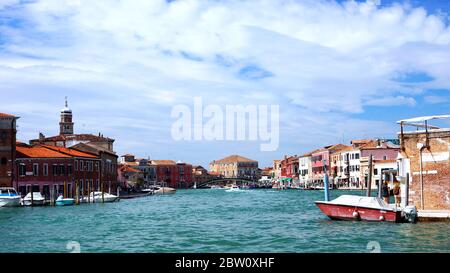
[[326, 183], [32, 195], [77, 193], [89, 191], [103, 191], [380, 185], [407, 190], [369, 178]]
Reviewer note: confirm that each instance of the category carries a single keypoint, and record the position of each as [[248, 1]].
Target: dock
[[434, 215]]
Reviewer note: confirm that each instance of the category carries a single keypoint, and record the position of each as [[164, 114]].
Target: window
[[36, 169], [384, 157], [76, 165], [69, 170], [81, 165], [55, 170], [22, 169], [62, 169], [375, 171], [4, 161], [45, 169]]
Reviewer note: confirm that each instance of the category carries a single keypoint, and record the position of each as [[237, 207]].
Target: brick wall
[[436, 166]]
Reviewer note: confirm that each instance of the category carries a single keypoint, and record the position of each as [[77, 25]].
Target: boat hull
[[8, 202], [65, 202], [27, 203], [352, 213]]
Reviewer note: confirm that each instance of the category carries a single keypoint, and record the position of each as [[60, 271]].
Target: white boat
[[215, 187], [9, 198], [234, 188], [99, 197], [164, 190], [38, 199], [61, 201]]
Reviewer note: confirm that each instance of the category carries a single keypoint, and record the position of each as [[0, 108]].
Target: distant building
[[67, 138], [7, 149], [277, 169], [236, 166], [144, 165], [321, 159], [425, 159], [305, 169], [201, 175], [384, 155], [173, 174]]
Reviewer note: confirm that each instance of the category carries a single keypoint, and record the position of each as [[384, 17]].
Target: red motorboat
[[362, 208]]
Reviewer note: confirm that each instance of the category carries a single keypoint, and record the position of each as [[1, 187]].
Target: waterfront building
[[67, 138], [305, 169], [425, 159], [58, 170], [320, 159], [236, 166], [384, 155], [7, 149], [277, 169], [144, 165], [339, 171], [351, 167], [201, 175], [128, 176], [108, 159], [173, 174], [289, 171]]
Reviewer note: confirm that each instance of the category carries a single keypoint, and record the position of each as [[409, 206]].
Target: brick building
[[425, 159], [172, 174], [7, 149], [48, 169]]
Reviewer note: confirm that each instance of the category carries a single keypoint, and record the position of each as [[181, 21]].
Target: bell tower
[[66, 124]]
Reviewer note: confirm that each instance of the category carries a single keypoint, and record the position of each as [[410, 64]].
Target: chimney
[[41, 137]]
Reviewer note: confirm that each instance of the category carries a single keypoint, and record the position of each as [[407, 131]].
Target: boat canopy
[[422, 119], [361, 201]]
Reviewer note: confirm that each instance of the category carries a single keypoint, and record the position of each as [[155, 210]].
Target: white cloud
[[320, 56]]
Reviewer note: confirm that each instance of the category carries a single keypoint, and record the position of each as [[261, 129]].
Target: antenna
[[66, 102]]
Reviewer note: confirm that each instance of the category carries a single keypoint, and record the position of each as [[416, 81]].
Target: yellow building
[[235, 166]]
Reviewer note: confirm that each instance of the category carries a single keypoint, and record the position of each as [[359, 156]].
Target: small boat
[[215, 187], [234, 188], [164, 190], [9, 198], [38, 199], [61, 201], [362, 208], [147, 191], [99, 197]]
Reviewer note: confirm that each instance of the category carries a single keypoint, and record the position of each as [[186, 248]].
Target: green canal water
[[198, 221]]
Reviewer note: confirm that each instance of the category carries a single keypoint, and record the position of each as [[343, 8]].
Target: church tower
[[66, 124]]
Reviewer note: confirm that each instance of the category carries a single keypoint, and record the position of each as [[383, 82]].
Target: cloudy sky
[[338, 69]]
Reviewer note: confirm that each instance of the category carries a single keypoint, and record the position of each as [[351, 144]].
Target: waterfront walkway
[[434, 215]]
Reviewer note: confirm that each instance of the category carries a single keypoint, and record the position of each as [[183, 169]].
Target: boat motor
[[410, 214]]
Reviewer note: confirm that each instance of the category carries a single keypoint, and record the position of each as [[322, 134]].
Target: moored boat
[[362, 208], [100, 197], [9, 198], [61, 201], [37, 200], [164, 190], [234, 188]]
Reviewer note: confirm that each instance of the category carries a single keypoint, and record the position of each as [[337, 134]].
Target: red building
[[289, 167], [7, 149], [320, 159], [172, 174], [56, 170]]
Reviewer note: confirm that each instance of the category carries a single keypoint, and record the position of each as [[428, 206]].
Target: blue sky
[[338, 69]]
